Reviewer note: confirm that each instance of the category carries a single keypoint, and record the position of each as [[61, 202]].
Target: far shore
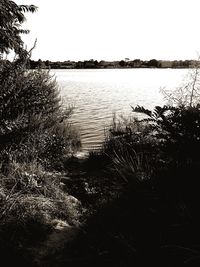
[[120, 64]]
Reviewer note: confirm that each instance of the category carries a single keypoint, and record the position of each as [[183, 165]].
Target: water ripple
[[97, 94]]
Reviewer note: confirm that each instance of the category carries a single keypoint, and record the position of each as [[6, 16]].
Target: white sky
[[114, 29]]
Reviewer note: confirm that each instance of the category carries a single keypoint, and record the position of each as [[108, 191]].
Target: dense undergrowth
[[36, 138], [153, 217], [35, 141], [143, 187]]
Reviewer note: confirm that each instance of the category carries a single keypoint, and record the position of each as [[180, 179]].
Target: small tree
[[188, 94]]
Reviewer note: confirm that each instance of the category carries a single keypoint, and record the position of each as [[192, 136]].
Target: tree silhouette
[[11, 18]]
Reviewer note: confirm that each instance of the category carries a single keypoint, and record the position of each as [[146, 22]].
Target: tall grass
[[28, 191], [131, 148]]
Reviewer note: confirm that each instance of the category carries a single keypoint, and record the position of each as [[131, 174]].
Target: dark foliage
[[177, 130], [31, 116], [153, 219], [12, 16]]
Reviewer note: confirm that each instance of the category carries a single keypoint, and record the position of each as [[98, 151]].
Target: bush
[[162, 147], [176, 130], [32, 118]]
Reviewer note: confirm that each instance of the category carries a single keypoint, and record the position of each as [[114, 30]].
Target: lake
[[98, 94]]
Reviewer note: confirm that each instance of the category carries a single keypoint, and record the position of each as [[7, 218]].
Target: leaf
[[28, 8], [141, 109]]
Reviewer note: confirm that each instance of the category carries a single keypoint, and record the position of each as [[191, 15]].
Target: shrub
[[32, 117], [167, 138], [176, 129]]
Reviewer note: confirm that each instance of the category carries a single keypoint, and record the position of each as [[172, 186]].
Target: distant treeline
[[127, 63]]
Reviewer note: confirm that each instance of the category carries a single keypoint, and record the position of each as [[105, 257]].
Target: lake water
[[97, 94]]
